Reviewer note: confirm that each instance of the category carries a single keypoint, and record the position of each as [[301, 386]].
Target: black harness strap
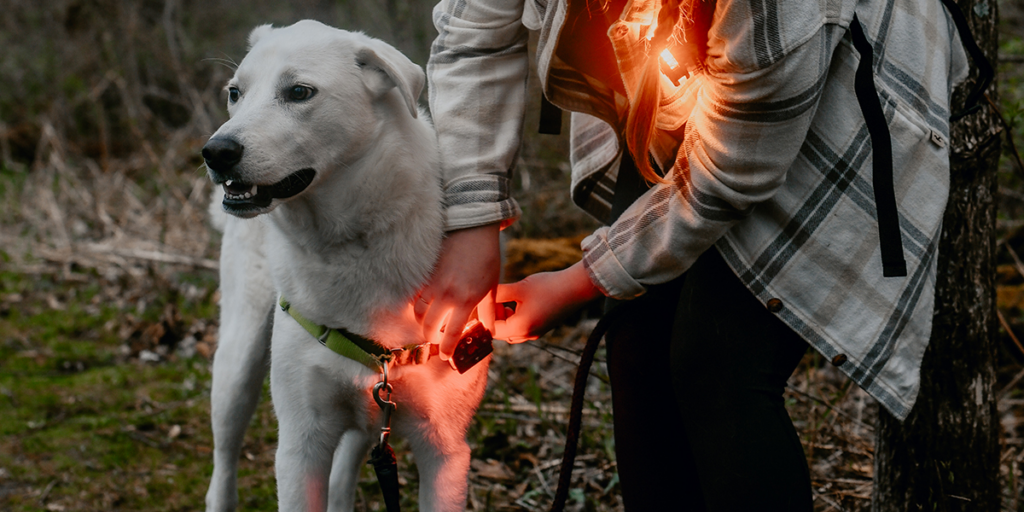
[[893, 264], [550, 117], [891, 244], [985, 71]]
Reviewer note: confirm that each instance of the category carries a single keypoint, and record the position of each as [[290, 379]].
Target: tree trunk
[[945, 457]]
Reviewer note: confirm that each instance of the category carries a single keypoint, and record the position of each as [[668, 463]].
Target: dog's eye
[[233, 94], [300, 93]]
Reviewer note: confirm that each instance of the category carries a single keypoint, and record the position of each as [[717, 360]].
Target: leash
[[579, 389], [382, 457]]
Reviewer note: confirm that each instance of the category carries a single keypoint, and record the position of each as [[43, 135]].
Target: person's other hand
[[542, 300], [465, 278]]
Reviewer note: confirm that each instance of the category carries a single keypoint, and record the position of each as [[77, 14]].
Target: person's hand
[[542, 300], [465, 277]]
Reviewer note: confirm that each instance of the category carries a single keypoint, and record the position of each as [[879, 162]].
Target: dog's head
[[306, 100]]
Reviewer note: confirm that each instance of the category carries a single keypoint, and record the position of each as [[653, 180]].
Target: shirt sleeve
[[750, 119], [477, 72]]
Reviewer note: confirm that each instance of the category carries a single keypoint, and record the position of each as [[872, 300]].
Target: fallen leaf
[[492, 469]]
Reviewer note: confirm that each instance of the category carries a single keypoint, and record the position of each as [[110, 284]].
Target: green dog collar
[[357, 348]]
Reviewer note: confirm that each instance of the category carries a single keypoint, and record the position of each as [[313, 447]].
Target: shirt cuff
[[605, 269], [473, 201]]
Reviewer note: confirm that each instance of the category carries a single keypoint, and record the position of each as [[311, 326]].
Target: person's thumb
[[507, 293]]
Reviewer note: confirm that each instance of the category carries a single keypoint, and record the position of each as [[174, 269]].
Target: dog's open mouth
[[242, 197]]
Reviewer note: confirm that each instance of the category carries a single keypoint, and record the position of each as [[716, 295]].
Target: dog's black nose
[[221, 154]]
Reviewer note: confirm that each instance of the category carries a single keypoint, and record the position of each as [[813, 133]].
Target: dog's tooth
[[229, 182]]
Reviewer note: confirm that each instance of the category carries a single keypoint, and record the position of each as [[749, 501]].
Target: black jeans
[[697, 374]]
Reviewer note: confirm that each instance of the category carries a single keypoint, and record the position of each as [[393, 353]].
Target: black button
[[838, 360], [774, 305]]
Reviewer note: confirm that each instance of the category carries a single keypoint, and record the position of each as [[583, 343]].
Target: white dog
[[327, 149]]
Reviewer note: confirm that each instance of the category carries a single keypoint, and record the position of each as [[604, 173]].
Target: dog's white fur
[[349, 251]]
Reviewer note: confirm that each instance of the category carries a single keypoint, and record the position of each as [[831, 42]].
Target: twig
[[1009, 387], [545, 347], [1009, 136], [46, 491], [575, 362], [544, 408], [543, 481], [831, 407], [827, 501], [161, 257], [1016, 259], [1006, 326]]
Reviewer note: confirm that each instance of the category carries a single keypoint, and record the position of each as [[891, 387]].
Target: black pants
[[697, 374]]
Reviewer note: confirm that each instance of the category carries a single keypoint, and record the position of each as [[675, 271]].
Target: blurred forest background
[[108, 292]]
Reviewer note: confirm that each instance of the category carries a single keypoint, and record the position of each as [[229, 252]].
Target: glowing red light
[[669, 59]]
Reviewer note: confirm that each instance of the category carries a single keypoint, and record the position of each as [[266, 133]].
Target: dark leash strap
[[385, 465], [628, 187], [576, 407], [382, 458]]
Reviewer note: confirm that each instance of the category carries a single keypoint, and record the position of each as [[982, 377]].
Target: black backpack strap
[[628, 187], [893, 263], [891, 244], [985, 71], [550, 117]]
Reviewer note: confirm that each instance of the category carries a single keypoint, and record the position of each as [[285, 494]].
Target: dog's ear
[[258, 33], [384, 67]]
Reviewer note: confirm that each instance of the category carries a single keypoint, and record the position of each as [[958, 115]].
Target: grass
[[83, 426]]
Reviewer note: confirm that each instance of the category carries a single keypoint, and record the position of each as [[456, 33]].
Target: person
[[742, 217]]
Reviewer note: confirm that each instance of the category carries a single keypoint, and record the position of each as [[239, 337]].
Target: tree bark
[[945, 457]]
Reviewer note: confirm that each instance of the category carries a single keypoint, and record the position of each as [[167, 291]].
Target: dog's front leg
[[348, 458], [442, 468], [240, 363], [310, 402]]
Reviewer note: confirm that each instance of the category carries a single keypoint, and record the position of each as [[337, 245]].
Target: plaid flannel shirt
[[774, 168]]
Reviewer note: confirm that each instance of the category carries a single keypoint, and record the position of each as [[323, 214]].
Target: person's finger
[[510, 332], [504, 331], [485, 311], [433, 321], [419, 307], [453, 332]]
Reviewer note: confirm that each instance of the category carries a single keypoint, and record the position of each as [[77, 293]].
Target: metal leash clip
[[382, 457], [386, 405]]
